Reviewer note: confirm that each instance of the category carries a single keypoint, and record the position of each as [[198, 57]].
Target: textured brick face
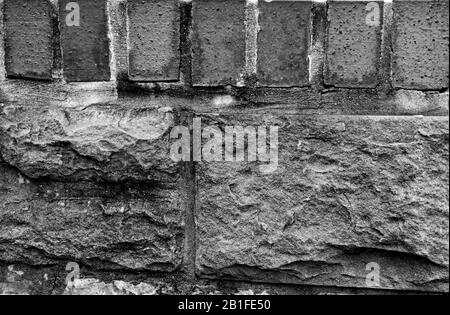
[[421, 52], [283, 42], [154, 36], [354, 46], [28, 41], [85, 48], [218, 42]]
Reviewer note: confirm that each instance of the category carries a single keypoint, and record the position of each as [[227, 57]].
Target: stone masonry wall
[[90, 91]]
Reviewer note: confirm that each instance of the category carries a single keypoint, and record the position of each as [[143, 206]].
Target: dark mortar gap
[[30, 78], [189, 191], [438, 91], [57, 65], [301, 289], [267, 277], [185, 42], [325, 45]]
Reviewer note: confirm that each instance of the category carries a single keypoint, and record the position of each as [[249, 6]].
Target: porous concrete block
[[353, 43], [84, 40], [154, 39], [218, 42], [421, 44], [28, 38], [283, 43]]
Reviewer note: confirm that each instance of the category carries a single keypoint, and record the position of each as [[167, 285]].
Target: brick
[[154, 37], [28, 39], [420, 44], [283, 43], [348, 191], [85, 48], [218, 42], [353, 46]]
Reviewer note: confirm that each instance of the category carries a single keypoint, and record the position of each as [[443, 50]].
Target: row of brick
[[32, 43], [41, 37]]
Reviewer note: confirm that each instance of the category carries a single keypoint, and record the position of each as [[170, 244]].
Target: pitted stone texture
[[85, 48], [420, 44], [218, 42], [154, 33], [353, 45], [50, 280], [283, 43], [96, 287], [28, 38], [106, 143], [348, 191], [126, 225]]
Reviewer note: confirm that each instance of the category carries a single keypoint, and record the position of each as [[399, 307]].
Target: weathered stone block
[[354, 43], [101, 143], [84, 40], [95, 186], [283, 43], [125, 225], [420, 44], [348, 191], [28, 38], [218, 42], [154, 36]]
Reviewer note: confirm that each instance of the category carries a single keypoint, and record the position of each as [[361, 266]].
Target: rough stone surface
[[85, 48], [39, 93], [100, 142], [85, 169], [218, 42], [28, 38], [283, 43], [19, 279], [128, 225], [348, 191], [418, 102], [154, 35], [420, 46], [353, 47], [96, 287]]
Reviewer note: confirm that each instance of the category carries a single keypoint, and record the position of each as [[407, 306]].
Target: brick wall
[[90, 90]]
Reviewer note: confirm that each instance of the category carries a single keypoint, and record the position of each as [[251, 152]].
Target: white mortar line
[[111, 5], [251, 40], [57, 69]]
